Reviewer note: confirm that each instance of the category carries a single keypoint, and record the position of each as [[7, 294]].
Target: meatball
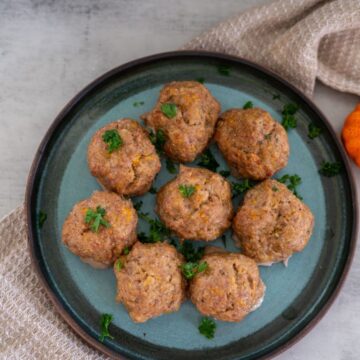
[[229, 288], [122, 158], [187, 113], [272, 223], [254, 145], [100, 227], [149, 280], [196, 205]]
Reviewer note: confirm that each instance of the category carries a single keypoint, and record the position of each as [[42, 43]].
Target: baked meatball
[[100, 227], [254, 145], [229, 288], [272, 223], [149, 280], [122, 158], [187, 113], [196, 205]]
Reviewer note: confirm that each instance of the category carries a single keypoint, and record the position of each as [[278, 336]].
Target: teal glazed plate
[[296, 296]]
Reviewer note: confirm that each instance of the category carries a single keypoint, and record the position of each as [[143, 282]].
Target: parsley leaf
[[223, 70], [239, 188], [207, 327], [158, 140], [313, 131], [106, 320], [291, 181], [186, 190], [190, 269], [170, 166], [158, 231], [248, 105], [119, 265], [190, 253], [138, 103], [288, 118], [138, 205], [113, 140], [126, 250], [208, 161], [201, 80], [41, 218], [330, 169], [169, 110], [153, 190], [96, 218], [224, 173]]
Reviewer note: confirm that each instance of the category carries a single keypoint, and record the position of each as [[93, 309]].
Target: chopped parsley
[[153, 190], [106, 320], [201, 80], [313, 131], [288, 118], [158, 232], [41, 218], [186, 190], [119, 265], [291, 181], [330, 169], [191, 254], [190, 269], [248, 105], [158, 139], [113, 140], [138, 205], [223, 70], [207, 327], [169, 110], [239, 188], [208, 161], [170, 166], [224, 173], [138, 103], [96, 218], [126, 250]]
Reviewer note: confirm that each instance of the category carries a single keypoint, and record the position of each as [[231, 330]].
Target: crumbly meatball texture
[[100, 249], [190, 130], [204, 215], [150, 282], [254, 145], [129, 170], [229, 289], [272, 223]]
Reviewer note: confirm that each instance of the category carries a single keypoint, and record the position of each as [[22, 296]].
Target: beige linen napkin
[[300, 39]]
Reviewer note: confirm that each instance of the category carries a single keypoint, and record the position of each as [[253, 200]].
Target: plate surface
[[296, 296]]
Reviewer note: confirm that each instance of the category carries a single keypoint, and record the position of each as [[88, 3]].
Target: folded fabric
[[299, 39]]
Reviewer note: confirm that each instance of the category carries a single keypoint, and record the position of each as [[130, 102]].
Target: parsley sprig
[[113, 140], [239, 188], [42, 216], [313, 131], [106, 320], [207, 327], [186, 190], [288, 118], [248, 105], [330, 169], [157, 232], [169, 110], [158, 139], [224, 173], [190, 253], [170, 166], [95, 218], [291, 181], [190, 269], [208, 161]]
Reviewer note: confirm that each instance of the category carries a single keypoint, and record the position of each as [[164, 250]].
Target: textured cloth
[[299, 39]]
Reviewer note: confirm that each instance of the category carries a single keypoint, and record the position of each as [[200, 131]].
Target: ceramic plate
[[296, 296]]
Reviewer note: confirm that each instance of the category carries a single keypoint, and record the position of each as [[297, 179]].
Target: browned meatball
[[149, 281], [196, 205], [100, 245], [254, 145], [128, 169], [272, 223], [229, 288], [189, 125]]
